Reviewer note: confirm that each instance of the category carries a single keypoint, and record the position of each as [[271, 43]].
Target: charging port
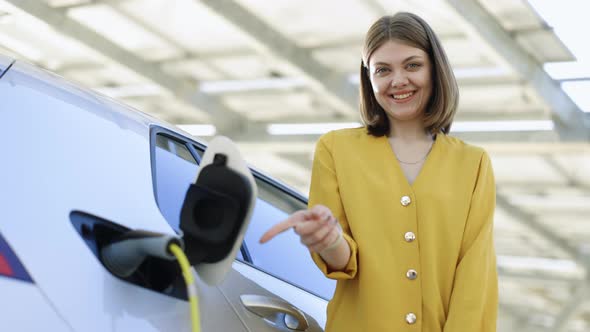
[[158, 274]]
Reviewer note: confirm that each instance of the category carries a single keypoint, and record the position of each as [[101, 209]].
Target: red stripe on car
[[5, 269]]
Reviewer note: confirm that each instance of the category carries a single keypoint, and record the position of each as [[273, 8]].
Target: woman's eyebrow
[[381, 63], [411, 57]]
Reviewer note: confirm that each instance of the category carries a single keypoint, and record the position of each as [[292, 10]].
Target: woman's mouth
[[402, 97]]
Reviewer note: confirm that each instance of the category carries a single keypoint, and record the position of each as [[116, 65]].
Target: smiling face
[[401, 78]]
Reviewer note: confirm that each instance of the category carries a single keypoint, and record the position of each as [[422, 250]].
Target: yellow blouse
[[423, 256]]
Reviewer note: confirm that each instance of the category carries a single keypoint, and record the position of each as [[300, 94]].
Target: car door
[[267, 293]]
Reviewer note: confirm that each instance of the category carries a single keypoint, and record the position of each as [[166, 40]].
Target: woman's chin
[[403, 115]]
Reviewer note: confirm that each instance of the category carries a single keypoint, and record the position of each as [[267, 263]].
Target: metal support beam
[[534, 279], [116, 4], [257, 132], [515, 319], [531, 221], [570, 178], [221, 116], [464, 115], [579, 295], [377, 7], [334, 86], [571, 122]]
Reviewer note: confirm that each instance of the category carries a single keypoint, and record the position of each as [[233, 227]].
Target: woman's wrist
[[337, 254], [334, 244]]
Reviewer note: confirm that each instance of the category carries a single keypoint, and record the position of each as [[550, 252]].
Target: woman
[[402, 214]]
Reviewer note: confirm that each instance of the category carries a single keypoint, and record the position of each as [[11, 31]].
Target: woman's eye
[[414, 65], [380, 70]]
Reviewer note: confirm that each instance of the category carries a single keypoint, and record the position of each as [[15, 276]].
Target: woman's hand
[[317, 228]]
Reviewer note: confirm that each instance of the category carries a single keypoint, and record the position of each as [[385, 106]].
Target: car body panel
[[90, 298], [214, 308], [38, 315], [303, 300], [235, 286]]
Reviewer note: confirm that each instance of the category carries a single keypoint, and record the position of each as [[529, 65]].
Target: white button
[[406, 200], [409, 236], [412, 274], [411, 318]]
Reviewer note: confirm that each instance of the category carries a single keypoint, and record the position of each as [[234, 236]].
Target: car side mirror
[[217, 210]]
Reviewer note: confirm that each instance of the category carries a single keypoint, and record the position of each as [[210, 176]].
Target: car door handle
[[268, 307]]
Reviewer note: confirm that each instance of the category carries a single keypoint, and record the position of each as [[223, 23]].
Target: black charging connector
[[213, 211]]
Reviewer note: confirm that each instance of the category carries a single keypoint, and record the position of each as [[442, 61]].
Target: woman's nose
[[399, 81]]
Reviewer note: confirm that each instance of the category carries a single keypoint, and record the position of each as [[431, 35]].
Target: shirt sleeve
[[474, 299], [324, 190]]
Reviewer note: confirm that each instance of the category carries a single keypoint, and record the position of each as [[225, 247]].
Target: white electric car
[[80, 170]]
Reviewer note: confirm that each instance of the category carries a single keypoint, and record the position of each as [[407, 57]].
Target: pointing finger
[[294, 219]]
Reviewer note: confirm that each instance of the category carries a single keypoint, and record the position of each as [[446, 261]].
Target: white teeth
[[405, 95]]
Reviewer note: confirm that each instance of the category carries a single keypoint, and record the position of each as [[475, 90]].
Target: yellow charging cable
[[191, 289]]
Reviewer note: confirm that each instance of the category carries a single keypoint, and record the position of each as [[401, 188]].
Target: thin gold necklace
[[419, 161]]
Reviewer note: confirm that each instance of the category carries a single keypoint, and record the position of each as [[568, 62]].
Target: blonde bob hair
[[410, 29]]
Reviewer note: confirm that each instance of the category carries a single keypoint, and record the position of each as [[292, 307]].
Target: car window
[[284, 257], [175, 168]]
